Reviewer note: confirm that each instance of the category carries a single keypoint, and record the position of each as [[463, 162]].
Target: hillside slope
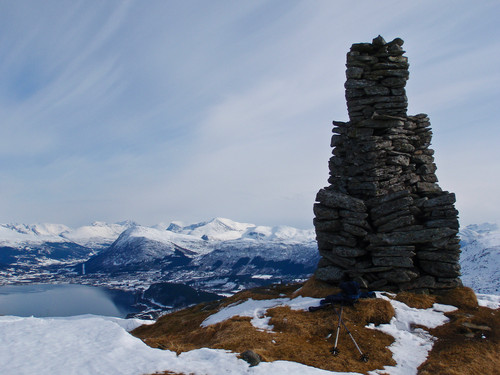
[[271, 322]]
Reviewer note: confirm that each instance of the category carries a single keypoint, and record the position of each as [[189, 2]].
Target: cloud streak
[[188, 110]]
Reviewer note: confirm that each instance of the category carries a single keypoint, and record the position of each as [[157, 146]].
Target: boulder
[[251, 357]]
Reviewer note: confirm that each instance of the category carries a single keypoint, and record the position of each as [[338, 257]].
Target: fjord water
[[44, 300]]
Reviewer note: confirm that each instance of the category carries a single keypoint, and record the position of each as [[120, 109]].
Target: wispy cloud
[[185, 110]]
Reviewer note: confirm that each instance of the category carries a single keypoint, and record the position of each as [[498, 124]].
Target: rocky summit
[[383, 220]]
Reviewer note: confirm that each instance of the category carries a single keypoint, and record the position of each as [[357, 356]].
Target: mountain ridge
[[99, 232], [212, 248]]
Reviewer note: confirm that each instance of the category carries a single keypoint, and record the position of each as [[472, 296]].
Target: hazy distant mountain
[[53, 244], [220, 229], [96, 235], [99, 234], [38, 245]]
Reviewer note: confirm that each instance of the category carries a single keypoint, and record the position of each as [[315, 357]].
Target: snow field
[[91, 345]]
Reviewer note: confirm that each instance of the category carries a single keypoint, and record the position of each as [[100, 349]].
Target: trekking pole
[[335, 350], [364, 357]]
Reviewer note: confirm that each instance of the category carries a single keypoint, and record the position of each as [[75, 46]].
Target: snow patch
[[409, 340], [262, 277], [488, 300], [256, 309]]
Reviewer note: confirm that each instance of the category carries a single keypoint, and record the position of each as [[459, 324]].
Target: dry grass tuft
[[463, 298], [264, 292], [417, 301], [377, 311], [316, 289], [461, 350]]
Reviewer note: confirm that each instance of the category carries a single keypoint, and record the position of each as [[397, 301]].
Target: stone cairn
[[384, 221]]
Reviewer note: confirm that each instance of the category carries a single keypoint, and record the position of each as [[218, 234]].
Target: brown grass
[[297, 336], [464, 298], [417, 301], [316, 288], [307, 338], [461, 350]]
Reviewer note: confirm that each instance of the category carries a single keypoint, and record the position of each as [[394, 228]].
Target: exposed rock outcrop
[[384, 220]]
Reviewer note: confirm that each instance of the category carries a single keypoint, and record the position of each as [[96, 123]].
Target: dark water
[[42, 300]]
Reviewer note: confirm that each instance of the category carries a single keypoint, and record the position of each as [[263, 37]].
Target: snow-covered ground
[[88, 344]]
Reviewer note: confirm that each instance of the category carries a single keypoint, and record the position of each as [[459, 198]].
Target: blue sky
[[186, 110]]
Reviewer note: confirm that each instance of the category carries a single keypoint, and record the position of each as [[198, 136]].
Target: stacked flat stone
[[384, 221]]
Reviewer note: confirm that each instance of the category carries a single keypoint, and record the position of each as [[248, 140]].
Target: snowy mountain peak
[[97, 235], [37, 229], [133, 233], [175, 226], [49, 229], [127, 223], [21, 234], [103, 224], [221, 229]]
